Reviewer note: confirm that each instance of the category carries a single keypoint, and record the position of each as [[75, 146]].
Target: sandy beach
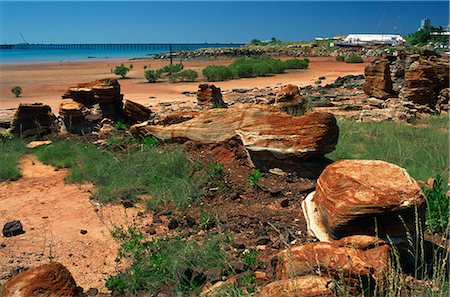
[[46, 82]]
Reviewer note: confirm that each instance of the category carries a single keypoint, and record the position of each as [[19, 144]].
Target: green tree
[[16, 90], [121, 70], [151, 75]]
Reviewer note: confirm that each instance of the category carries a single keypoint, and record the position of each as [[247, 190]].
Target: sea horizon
[[49, 52]]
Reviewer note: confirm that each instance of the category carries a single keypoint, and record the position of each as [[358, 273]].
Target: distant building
[[426, 23], [361, 39]]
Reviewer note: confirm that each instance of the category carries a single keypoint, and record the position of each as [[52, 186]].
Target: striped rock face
[[268, 134], [51, 279], [368, 197], [378, 81]]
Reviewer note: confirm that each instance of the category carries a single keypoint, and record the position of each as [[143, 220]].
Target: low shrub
[[17, 91], [151, 76], [296, 64], [217, 73], [185, 75], [340, 59], [170, 69], [354, 59], [437, 206], [121, 70]]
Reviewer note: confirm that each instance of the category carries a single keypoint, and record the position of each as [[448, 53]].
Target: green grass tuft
[[11, 152], [163, 174]]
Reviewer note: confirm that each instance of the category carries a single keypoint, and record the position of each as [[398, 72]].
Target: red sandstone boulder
[[209, 96], [270, 136], [135, 112], [288, 99], [364, 197], [51, 280], [378, 82], [33, 120]]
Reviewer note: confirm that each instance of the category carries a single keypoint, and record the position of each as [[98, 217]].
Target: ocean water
[[49, 55], [57, 53]]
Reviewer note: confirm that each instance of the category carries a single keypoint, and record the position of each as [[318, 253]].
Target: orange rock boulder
[[51, 280], [378, 82], [209, 96], [288, 99]]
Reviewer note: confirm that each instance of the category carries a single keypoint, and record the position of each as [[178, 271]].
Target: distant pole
[[170, 48]]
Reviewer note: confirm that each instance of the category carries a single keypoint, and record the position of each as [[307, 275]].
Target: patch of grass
[[421, 149], [253, 178], [12, 149], [437, 206], [163, 173], [354, 59], [177, 264]]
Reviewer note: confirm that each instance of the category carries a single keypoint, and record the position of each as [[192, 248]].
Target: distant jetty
[[163, 47]]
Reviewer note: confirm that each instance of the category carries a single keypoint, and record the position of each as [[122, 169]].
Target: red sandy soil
[[47, 82], [53, 213]]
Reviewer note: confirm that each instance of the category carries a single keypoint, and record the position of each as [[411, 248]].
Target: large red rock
[[269, 135], [424, 80], [33, 120], [288, 99], [378, 82], [209, 96], [50, 280], [364, 197], [352, 256]]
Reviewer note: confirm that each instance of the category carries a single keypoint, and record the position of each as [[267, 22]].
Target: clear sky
[[203, 21]]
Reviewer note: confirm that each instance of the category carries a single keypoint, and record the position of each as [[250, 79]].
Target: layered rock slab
[[51, 279], [268, 135], [33, 120], [378, 82], [288, 99], [367, 197]]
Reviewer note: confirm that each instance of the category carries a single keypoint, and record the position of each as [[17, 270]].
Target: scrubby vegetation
[[122, 70], [423, 36], [180, 265], [17, 91], [151, 76], [169, 69], [12, 149], [165, 174], [340, 58], [252, 67], [185, 75], [354, 59]]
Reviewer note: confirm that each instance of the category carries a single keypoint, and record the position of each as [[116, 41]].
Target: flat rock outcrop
[[288, 99], [310, 269], [74, 115], [367, 197], [378, 81], [33, 120], [210, 96], [51, 280], [267, 134], [135, 112]]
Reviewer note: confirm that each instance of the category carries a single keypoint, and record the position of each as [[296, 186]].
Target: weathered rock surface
[[311, 269], [104, 92], [364, 197], [378, 81], [74, 116], [135, 112], [424, 80], [305, 286], [12, 228], [270, 136], [51, 280], [209, 96], [33, 120], [443, 100], [288, 99]]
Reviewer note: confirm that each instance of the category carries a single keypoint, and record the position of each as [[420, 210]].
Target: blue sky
[[203, 21]]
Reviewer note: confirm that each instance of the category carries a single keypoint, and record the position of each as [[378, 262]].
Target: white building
[[393, 39]]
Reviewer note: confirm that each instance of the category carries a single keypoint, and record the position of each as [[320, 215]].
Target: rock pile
[[135, 112], [314, 269], [418, 79], [51, 279], [33, 120], [353, 197], [209, 96], [87, 103]]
